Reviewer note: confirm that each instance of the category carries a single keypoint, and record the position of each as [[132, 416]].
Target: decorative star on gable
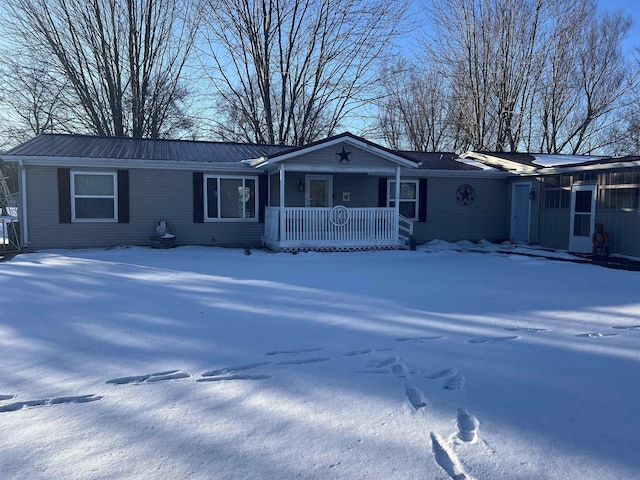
[[343, 156]]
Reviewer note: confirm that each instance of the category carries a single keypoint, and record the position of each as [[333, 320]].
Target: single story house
[[340, 193]]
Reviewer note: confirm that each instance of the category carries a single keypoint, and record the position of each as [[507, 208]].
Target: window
[[619, 198], [229, 198], [408, 198], [94, 197]]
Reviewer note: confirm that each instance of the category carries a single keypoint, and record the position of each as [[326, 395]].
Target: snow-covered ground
[[210, 364]]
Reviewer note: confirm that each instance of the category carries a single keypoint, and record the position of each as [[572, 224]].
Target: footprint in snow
[[417, 339], [596, 335], [627, 327], [449, 372], [149, 378], [236, 376], [357, 352], [527, 329], [399, 369], [292, 352], [13, 407], [491, 339], [304, 361], [231, 370], [383, 363], [454, 383], [467, 426], [446, 458], [415, 397]]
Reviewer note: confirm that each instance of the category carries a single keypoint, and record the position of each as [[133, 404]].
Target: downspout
[[397, 200], [282, 219], [24, 237]]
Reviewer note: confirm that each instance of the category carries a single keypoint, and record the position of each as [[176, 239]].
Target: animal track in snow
[[357, 352], [491, 339], [237, 368], [6, 397], [467, 426], [415, 397], [596, 335], [149, 378], [236, 376], [292, 352], [417, 339], [449, 372], [371, 371], [527, 329], [447, 459], [454, 383], [627, 327], [12, 407], [304, 361]]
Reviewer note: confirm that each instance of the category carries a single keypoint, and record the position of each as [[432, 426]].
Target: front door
[[520, 211], [583, 213], [319, 191]]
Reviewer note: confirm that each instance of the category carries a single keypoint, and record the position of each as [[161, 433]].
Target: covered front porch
[[338, 194]]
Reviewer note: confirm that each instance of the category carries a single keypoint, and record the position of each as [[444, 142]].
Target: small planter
[[163, 241]]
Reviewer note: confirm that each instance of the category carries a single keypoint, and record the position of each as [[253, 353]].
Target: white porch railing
[[313, 227]]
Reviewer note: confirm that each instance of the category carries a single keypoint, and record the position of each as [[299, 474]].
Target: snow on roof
[[475, 163], [551, 160]]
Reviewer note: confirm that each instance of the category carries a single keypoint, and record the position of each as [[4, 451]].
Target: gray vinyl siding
[[554, 228], [623, 228], [534, 232], [154, 195], [485, 218]]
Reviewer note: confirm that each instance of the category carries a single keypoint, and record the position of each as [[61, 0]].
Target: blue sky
[[632, 8]]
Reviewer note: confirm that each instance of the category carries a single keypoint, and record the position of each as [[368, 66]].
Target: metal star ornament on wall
[[465, 195], [342, 156]]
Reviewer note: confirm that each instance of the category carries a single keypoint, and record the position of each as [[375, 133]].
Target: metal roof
[[438, 161], [120, 148]]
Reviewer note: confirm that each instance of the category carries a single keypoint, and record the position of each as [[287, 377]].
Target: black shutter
[[382, 192], [422, 200], [64, 195], [198, 197], [123, 196], [263, 193]]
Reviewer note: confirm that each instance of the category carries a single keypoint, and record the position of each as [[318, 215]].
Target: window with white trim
[[408, 197], [94, 196], [230, 198]]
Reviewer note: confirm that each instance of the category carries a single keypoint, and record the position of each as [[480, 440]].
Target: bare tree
[[417, 111], [119, 61], [491, 51], [585, 77], [289, 71], [537, 74]]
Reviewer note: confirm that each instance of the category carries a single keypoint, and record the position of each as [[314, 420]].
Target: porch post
[[268, 189], [282, 211], [397, 204]]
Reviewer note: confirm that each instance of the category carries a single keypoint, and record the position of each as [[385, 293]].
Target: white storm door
[[583, 218], [520, 212], [319, 191]]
